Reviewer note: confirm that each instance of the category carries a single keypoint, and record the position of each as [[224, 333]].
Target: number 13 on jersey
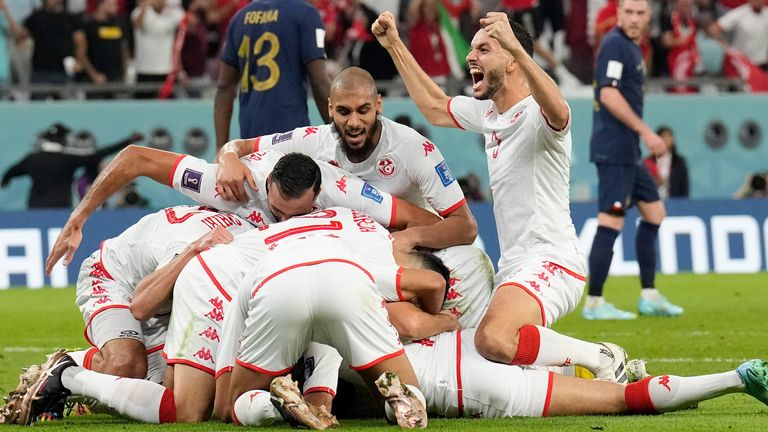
[[264, 57]]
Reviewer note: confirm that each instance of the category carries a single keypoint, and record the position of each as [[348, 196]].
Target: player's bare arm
[[427, 287], [413, 323], [321, 86], [409, 216], [132, 162], [226, 90], [542, 87], [157, 287], [458, 228], [612, 100], [233, 174], [427, 95]]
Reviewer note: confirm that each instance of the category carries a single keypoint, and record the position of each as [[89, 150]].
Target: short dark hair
[[294, 173], [430, 261], [663, 129], [523, 36]]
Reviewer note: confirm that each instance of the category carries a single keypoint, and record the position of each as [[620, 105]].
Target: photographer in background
[[754, 186]]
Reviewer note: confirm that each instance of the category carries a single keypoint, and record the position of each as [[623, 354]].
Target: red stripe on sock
[[528, 343], [88, 359], [167, 408], [638, 398]]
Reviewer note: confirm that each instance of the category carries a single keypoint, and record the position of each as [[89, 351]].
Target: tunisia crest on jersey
[[385, 167]]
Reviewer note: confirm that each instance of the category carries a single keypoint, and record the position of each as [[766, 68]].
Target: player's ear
[[379, 104]]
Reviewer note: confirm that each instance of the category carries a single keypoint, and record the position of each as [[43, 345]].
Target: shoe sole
[[34, 389], [757, 387], [409, 411], [292, 404]]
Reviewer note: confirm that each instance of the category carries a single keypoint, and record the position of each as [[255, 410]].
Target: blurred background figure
[[8, 32], [754, 186], [425, 40], [53, 162], [154, 30], [670, 171], [748, 29], [679, 38], [472, 187]]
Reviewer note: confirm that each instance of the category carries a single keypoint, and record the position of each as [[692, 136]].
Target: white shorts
[[330, 301], [104, 305], [201, 299], [557, 289], [464, 384], [471, 283]]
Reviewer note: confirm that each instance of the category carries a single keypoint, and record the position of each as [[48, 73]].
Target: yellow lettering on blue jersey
[[261, 17]]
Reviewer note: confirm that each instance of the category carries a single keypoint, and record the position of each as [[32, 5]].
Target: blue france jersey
[[619, 64], [270, 42]]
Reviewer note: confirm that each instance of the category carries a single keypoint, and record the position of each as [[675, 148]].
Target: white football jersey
[[158, 237], [196, 179], [471, 283], [404, 163], [529, 165]]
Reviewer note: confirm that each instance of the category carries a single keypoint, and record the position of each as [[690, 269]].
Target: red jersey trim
[[398, 286], [307, 264], [460, 392], [378, 360], [538, 300], [155, 349], [393, 215], [453, 208], [450, 113], [256, 142], [213, 278], [569, 272], [261, 370], [546, 120], [101, 262], [223, 370], [320, 389], [173, 170], [198, 366], [93, 315], [548, 399]]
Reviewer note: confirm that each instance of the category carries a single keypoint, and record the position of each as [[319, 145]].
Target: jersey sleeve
[[436, 181], [610, 64], [466, 113], [311, 36], [196, 179], [548, 126], [288, 142], [342, 189]]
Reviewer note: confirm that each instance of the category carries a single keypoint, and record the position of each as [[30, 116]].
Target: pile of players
[[329, 246]]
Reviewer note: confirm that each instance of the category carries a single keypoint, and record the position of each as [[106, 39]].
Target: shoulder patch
[[371, 193], [444, 173], [191, 180], [278, 138], [614, 69]]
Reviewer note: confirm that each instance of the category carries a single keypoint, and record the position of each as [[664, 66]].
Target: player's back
[[270, 41], [157, 237]]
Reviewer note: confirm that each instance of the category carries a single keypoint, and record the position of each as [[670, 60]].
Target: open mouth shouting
[[355, 137], [478, 77]]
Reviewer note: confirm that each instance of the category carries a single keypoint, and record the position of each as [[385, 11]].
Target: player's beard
[[493, 80], [358, 154]]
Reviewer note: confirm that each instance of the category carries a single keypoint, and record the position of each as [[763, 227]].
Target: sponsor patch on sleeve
[[191, 180], [320, 37], [372, 193], [614, 69], [445, 174], [278, 138]]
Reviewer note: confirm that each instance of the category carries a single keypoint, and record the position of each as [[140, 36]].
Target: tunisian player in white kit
[[526, 124]]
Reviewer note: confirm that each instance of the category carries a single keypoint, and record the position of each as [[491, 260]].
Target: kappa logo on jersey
[[452, 294], [372, 193], [445, 174], [191, 180], [495, 138], [341, 184], [309, 131], [257, 156], [517, 116], [204, 354], [385, 167], [427, 342], [428, 148], [211, 334], [278, 138], [255, 217], [665, 382], [454, 310]]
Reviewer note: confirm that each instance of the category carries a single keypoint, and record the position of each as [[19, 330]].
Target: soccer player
[[526, 123], [270, 45], [395, 159], [270, 200], [623, 178]]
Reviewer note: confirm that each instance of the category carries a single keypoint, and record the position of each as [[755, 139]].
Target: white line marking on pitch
[[27, 349], [695, 360]]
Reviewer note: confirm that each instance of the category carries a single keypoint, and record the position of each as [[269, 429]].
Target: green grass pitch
[[721, 328]]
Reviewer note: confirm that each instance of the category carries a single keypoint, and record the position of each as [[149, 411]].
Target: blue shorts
[[620, 186]]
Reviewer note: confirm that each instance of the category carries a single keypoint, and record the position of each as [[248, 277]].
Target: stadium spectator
[[51, 28], [754, 186], [8, 32], [154, 27], [678, 36], [101, 46], [359, 44], [623, 179], [51, 165], [270, 47], [194, 52], [425, 40], [669, 171], [222, 12], [748, 24], [471, 185]]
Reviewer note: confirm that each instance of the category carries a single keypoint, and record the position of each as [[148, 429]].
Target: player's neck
[[510, 94]]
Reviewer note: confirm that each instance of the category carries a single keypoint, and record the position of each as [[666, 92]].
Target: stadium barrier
[[709, 236]]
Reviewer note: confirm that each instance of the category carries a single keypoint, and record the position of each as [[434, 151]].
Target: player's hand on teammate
[[66, 243], [404, 241], [452, 320], [385, 30], [496, 24], [232, 178], [216, 236], [654, 143]]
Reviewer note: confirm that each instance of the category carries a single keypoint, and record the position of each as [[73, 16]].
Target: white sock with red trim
[[79, 356], [671, 393], [137, 399], [541, 346], [254, 408]]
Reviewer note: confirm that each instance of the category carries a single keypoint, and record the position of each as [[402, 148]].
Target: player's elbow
[[410, 329], [139, 311]]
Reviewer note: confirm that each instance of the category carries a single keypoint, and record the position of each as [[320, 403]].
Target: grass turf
[[719, 330]]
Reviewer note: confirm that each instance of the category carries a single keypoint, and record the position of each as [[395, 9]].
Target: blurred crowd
[[178, 41]]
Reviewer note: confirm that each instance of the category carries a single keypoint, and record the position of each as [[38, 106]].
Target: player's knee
[[495, 346], [186, 414], [125, 364]]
